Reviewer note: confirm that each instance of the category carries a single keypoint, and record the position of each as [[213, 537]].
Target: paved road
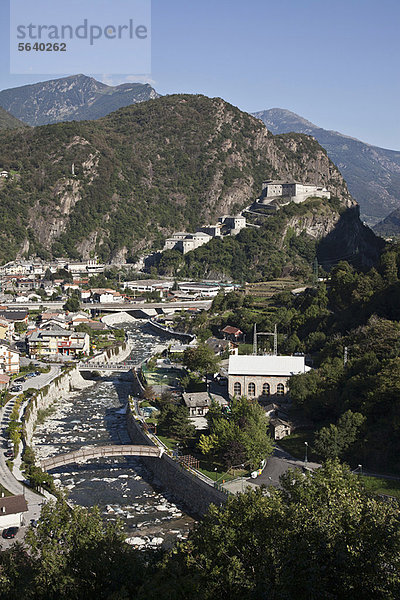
[[278, 464], [41, 380], [10, 482], [7, 479]]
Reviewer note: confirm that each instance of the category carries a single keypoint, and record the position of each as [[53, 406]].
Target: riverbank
[[122, 488]]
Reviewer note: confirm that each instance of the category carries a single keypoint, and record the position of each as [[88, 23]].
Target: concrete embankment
[[58, 389], [118, 319], [180, 335], [193, 492], [112, 354]]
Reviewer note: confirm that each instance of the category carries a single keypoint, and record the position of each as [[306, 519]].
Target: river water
[[120, 487]]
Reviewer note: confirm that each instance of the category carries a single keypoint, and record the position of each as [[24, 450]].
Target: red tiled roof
[[230, 329]]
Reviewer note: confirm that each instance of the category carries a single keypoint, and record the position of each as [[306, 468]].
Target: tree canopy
[[319, 537]]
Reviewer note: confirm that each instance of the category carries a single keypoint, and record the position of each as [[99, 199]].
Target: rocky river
[[121, 488]]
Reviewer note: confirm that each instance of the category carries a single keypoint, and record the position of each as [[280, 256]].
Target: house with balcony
[[9, 359], [57, 341]]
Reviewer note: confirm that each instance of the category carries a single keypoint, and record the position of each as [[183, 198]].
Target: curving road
[[7, 479]]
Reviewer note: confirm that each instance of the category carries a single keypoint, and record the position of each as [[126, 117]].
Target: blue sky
[[334, 62]]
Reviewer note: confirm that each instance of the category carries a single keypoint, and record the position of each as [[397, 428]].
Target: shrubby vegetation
[[320, 536]]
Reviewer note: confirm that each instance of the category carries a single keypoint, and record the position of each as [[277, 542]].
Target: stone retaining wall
[[194, 493], [60, 387], [111, 354]]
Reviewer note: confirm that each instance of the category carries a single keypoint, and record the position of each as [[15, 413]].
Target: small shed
[[12, 509], [232, 333], [280, 428]]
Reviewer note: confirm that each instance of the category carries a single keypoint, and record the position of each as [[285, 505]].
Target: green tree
[[174, 420], [333, 441], [201, 359], [320, 536], [207, 444], [72, 304], [240, 435], [72, 554]]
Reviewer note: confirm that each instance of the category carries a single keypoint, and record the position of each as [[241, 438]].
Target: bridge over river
[[90, 452], [121, 367]]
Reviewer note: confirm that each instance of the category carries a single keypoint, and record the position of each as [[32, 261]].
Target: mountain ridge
[[8, 121], [118, 186], [72, 98]]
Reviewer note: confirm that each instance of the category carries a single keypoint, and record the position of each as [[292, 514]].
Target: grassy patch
[[162, 376], [375, 485], [4, 491], [295, 445], [169, 442], [219, 475]]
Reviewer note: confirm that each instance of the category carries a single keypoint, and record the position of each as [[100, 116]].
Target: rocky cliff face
[[118, 186], [71, 98], [372, 173]]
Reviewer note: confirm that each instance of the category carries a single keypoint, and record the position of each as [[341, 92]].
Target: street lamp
[[305, 458], [215, 471]]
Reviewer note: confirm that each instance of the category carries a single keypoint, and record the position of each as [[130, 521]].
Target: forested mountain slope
[[118, 186]]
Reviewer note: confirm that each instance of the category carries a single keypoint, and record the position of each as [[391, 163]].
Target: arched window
[[266, 389], [237, 389], [280, 389], [251, 390]]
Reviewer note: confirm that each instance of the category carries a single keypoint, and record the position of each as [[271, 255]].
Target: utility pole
[[315, 271], [345, 355], [275, 341], [255, 339]]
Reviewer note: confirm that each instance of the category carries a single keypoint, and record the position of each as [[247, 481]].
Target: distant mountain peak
[[73, 98]]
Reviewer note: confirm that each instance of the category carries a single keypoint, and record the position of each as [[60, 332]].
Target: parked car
[[9, 453], [16, 388], [34, 523], [10, 532], [20, 379]]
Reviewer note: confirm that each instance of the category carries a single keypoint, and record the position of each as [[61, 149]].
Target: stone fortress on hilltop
[[278, 193]]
